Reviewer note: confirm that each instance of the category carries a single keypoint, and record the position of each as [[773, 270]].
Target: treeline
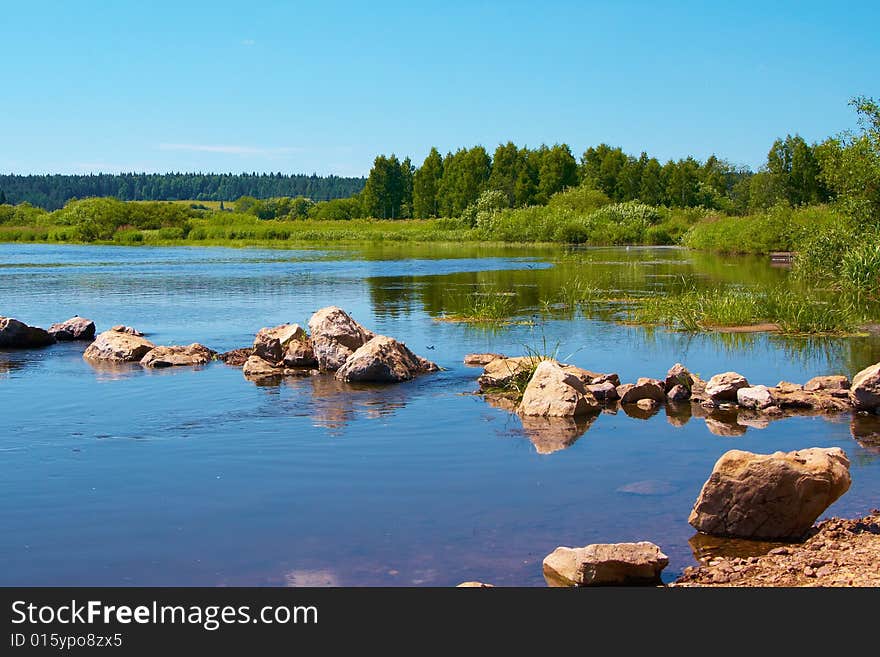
[[445, 186], [53, 191]]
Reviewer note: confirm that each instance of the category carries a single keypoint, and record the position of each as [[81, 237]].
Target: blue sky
[[324, 86]]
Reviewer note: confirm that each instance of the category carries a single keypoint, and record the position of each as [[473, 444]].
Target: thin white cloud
[[229, 149], [248, 42]]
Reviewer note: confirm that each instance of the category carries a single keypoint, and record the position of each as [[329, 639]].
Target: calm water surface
[[200, 477]]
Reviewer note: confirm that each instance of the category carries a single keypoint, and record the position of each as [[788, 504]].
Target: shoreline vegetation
[[820, 202]]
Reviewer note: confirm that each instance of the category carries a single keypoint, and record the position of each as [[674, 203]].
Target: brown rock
[[678, 375], [122, 328], [75, 328], [236, 357], [833, 382], [271, 343], [299, 353], [755, 397], [678, 393], [770, 496], [591, 378], [178, 356], [481, 360], [603, 391], [116, 346], [865, 390], [335, 337], [617, 564], [553, 392], [723, 387], [18, 335], [383, 360], [644, 388], [257, 368], [500, 372]]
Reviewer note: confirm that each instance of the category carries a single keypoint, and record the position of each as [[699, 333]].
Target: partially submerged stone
[[118, 347], [18, 335], [474, 585], [678, 375], [553, 392], [179, 356], [723, 387], [678, 393], [756, 397], [865, 389], [770, 496], [236, 357], [258, 368], [604, 564], [481, 360], [835, 382], [299, 353], [335, 336], [122, 328], [383, 360], [644, 388], [271, 343], [75, 328], [500, 372]]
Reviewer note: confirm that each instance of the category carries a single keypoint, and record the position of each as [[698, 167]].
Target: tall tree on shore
[[383, 194], [557, 170], [507, 163], [426, 186], [465, 174]]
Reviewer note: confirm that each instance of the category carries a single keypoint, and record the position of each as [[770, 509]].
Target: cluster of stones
[[336, 343], [559, 390]]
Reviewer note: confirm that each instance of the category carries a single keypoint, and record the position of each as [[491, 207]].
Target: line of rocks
[[15, 334]]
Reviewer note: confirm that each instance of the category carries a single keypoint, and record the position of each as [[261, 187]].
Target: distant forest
[[53, 191]]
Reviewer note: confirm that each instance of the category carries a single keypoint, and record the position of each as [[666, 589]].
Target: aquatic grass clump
[[482, 308], [781, 308]]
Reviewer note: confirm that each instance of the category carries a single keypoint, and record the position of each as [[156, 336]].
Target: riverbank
[[839, 552]]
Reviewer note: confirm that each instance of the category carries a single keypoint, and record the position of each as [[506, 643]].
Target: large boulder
[[723, 387], [271, 343], [603, 564], [299, 353], [833, 384], [553, 392], [678, 375], [383, 360], [865, 389], [678, 393], [119, 347], [75, 328], [592, 378], [335, 337], [770, 496], [755, 397], [500, 372], [178, 356], [18, 335], [644, 388]]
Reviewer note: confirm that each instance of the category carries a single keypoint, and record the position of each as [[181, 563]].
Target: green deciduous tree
[[426, 186]]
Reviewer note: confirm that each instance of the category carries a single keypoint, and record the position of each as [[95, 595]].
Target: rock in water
[[643, 389], [828, 383], [500, 372], [474, 585], [271, 343], [678, 393], [756, 397], [75, 328], [236, 357], [603, 564], [335, 337], [178, 356], [723, 387], [770, 496], [383, 360], [18, 335], [865, 390], [553, 392], [118, 347], [678, 375], [256, 368], [299, 353], [603, 391], [122, 328], [481, 360]]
